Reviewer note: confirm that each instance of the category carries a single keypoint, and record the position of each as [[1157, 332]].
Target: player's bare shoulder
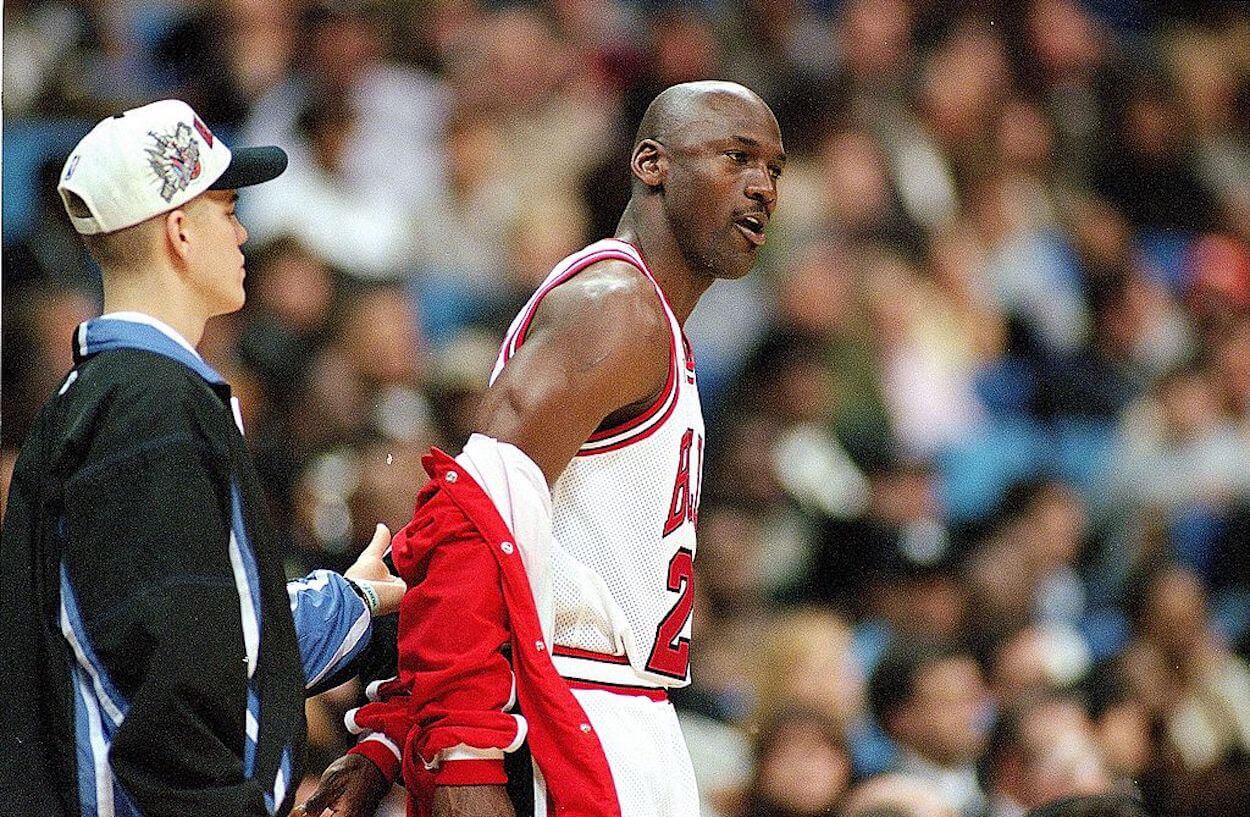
[[598, 347], [609, 314]]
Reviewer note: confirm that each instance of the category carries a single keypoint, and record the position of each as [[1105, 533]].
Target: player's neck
[[682, 286]]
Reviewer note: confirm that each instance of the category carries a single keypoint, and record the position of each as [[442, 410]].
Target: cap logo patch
[[203, 131], [175, 159], [73, 165]]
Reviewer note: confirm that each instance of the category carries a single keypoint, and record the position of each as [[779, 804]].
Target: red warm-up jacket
[[468, 597]]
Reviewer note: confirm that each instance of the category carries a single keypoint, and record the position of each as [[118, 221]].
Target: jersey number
[[671, 654]]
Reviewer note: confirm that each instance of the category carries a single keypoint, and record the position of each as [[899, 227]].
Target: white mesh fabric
[[646, 752], [586, 614], [609, 512], [611, 572]]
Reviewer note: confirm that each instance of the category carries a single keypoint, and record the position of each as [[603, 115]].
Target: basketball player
[[589, 584]]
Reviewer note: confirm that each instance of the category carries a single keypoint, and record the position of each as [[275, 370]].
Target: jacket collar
[[106, 334]]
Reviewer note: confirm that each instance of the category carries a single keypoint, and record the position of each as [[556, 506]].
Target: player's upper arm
[[598, 344]]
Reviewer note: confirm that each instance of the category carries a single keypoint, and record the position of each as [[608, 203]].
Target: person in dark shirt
[[155, 660]]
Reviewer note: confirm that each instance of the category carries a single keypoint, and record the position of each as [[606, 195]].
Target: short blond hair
[[121, 249], [797, 643]]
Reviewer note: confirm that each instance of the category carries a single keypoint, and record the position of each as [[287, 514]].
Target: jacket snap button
[[452, 476], [540, 646], [586, 727], [506, 547]]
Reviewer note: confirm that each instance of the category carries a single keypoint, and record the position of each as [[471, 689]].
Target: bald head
[[680, 106], [705, 170]]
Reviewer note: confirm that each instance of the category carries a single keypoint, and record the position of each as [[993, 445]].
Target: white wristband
[[367, 594]]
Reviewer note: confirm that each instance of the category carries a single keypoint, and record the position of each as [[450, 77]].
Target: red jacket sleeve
[[382, 726], [453, 627], [468, 598]]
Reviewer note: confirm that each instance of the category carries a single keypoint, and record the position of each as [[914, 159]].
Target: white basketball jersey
[[624, 519]]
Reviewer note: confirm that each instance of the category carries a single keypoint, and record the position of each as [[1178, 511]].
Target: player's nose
[[763, 188]]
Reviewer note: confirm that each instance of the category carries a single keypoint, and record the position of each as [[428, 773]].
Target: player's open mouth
[[752, 226]]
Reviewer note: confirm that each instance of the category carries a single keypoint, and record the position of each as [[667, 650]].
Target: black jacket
[[145, 612]]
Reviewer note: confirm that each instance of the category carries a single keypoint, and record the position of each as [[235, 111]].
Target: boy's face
[[215, 263]]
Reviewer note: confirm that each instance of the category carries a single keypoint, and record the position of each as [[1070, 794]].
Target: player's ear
[[649, 163]]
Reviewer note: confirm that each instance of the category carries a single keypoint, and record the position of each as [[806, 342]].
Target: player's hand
[[370, 569], [350, 787], [472, 801]]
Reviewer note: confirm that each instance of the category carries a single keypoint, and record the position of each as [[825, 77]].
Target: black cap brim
[[250, 166]]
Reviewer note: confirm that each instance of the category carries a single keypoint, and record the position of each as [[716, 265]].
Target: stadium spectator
[[362, 228], [932, 702], [1039, 750], [896, 795], [991, 370], [802, 767], [1107, 805]]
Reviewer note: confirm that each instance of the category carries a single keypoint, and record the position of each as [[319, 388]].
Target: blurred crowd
[[976, 523]]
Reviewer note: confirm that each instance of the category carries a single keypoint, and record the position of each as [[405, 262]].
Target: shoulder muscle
[[598, 343]]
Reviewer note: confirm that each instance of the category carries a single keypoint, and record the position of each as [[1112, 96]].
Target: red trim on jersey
[[666, 397], [654, 693], [589, 655], [669, 386], [513, 343], [673, 378], [689, 353], [588, 452]]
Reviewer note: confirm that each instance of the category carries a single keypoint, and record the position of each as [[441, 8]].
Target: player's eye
[[738, 156]]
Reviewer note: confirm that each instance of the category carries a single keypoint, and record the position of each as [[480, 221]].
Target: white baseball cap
[[149, 160]]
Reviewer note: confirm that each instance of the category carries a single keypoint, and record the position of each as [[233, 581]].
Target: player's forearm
[[472, 801]]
